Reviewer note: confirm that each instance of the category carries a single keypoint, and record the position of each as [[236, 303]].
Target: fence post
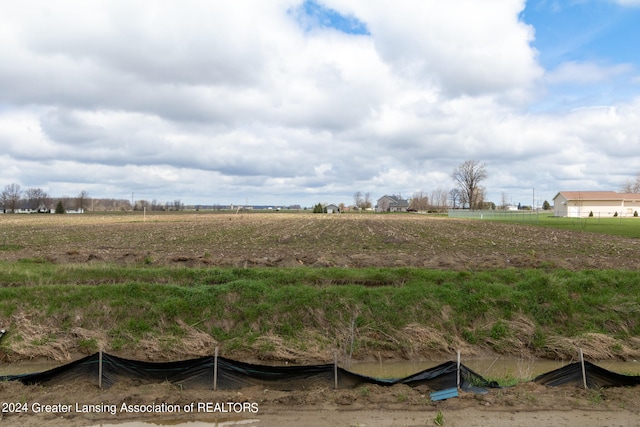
[[100, 369], [584, 372], [458, 372], [335, 370], [215, 369]]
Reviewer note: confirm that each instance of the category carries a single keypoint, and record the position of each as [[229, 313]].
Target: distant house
[[580, 204], [332, 209], [392, 204]]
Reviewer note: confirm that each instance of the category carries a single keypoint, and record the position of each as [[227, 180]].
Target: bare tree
[[360, 201], [419, 202], [357, 199], [479, 199], [81, 200], [632, 185], [455, 197], [37, 198], [438, 199], [142, 205], [504, 200], [11, 197], [367, 201], [468, 176]]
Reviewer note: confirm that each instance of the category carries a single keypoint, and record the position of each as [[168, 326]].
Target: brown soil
[[293, 240], [525, 404]]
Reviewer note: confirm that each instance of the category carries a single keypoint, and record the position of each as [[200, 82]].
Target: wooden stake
[[458, 375], [584, 372], [215, 369], [335, 370], [100, 369]]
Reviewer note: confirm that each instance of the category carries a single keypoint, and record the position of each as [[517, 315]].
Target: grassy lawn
[[625, 227]]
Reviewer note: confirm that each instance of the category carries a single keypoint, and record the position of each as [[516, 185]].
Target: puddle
[[28, 367], [488, 368]]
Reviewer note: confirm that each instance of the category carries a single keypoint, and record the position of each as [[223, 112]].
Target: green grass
[[625, 227], [238, 305]]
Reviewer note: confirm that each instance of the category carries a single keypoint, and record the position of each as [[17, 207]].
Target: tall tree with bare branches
[[36, 198], [81, 200], [632, 185], [11, 197], [468, 175]]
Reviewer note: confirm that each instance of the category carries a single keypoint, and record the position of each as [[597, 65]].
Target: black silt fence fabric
[[445, 376], [199, 374], [233, 374], [196, 374], [597, 377], [85, 369], [192, 373]]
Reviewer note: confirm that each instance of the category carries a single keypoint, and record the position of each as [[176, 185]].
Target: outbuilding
[[332, 209], [580, 204]]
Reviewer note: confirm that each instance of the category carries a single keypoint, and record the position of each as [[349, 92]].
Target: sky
[[284, 102]]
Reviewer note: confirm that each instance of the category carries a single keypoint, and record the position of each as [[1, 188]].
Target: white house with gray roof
[[392, 204]]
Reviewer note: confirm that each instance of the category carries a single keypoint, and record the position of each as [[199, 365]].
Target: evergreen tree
[[60, 208]]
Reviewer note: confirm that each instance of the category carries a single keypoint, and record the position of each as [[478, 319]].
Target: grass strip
[[498, 309]]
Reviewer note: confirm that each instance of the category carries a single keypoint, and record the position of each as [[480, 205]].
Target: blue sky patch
[[587, 49], [596, 31], [312, 15]]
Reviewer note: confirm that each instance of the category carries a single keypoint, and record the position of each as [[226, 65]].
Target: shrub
[[591, 214]]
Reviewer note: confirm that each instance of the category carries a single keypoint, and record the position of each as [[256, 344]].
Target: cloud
[[462, 47], [632, 3], [312, 15], [586, 72], [208, 101]]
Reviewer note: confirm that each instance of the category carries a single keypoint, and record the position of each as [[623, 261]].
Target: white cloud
[[586, 72], [203, 100], [628, 2], [464, 47]]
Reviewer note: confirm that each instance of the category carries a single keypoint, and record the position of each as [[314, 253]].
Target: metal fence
[[514, 216]]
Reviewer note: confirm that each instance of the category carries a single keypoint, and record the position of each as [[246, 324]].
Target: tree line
[[34, 199]]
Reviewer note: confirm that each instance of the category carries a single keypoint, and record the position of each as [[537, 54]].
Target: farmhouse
[[392, 204], [601, 203]]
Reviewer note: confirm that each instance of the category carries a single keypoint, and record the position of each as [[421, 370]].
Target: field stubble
[[291, 240]]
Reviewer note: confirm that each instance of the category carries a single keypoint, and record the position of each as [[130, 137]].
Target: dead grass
[[37, 340], [194, 343]]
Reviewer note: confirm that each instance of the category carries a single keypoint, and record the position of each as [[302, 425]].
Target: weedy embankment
[[307, 314]]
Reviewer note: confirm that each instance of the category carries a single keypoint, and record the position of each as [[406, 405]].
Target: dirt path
[[373, 406]]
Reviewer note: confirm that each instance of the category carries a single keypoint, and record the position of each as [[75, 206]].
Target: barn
[[580, 204]]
